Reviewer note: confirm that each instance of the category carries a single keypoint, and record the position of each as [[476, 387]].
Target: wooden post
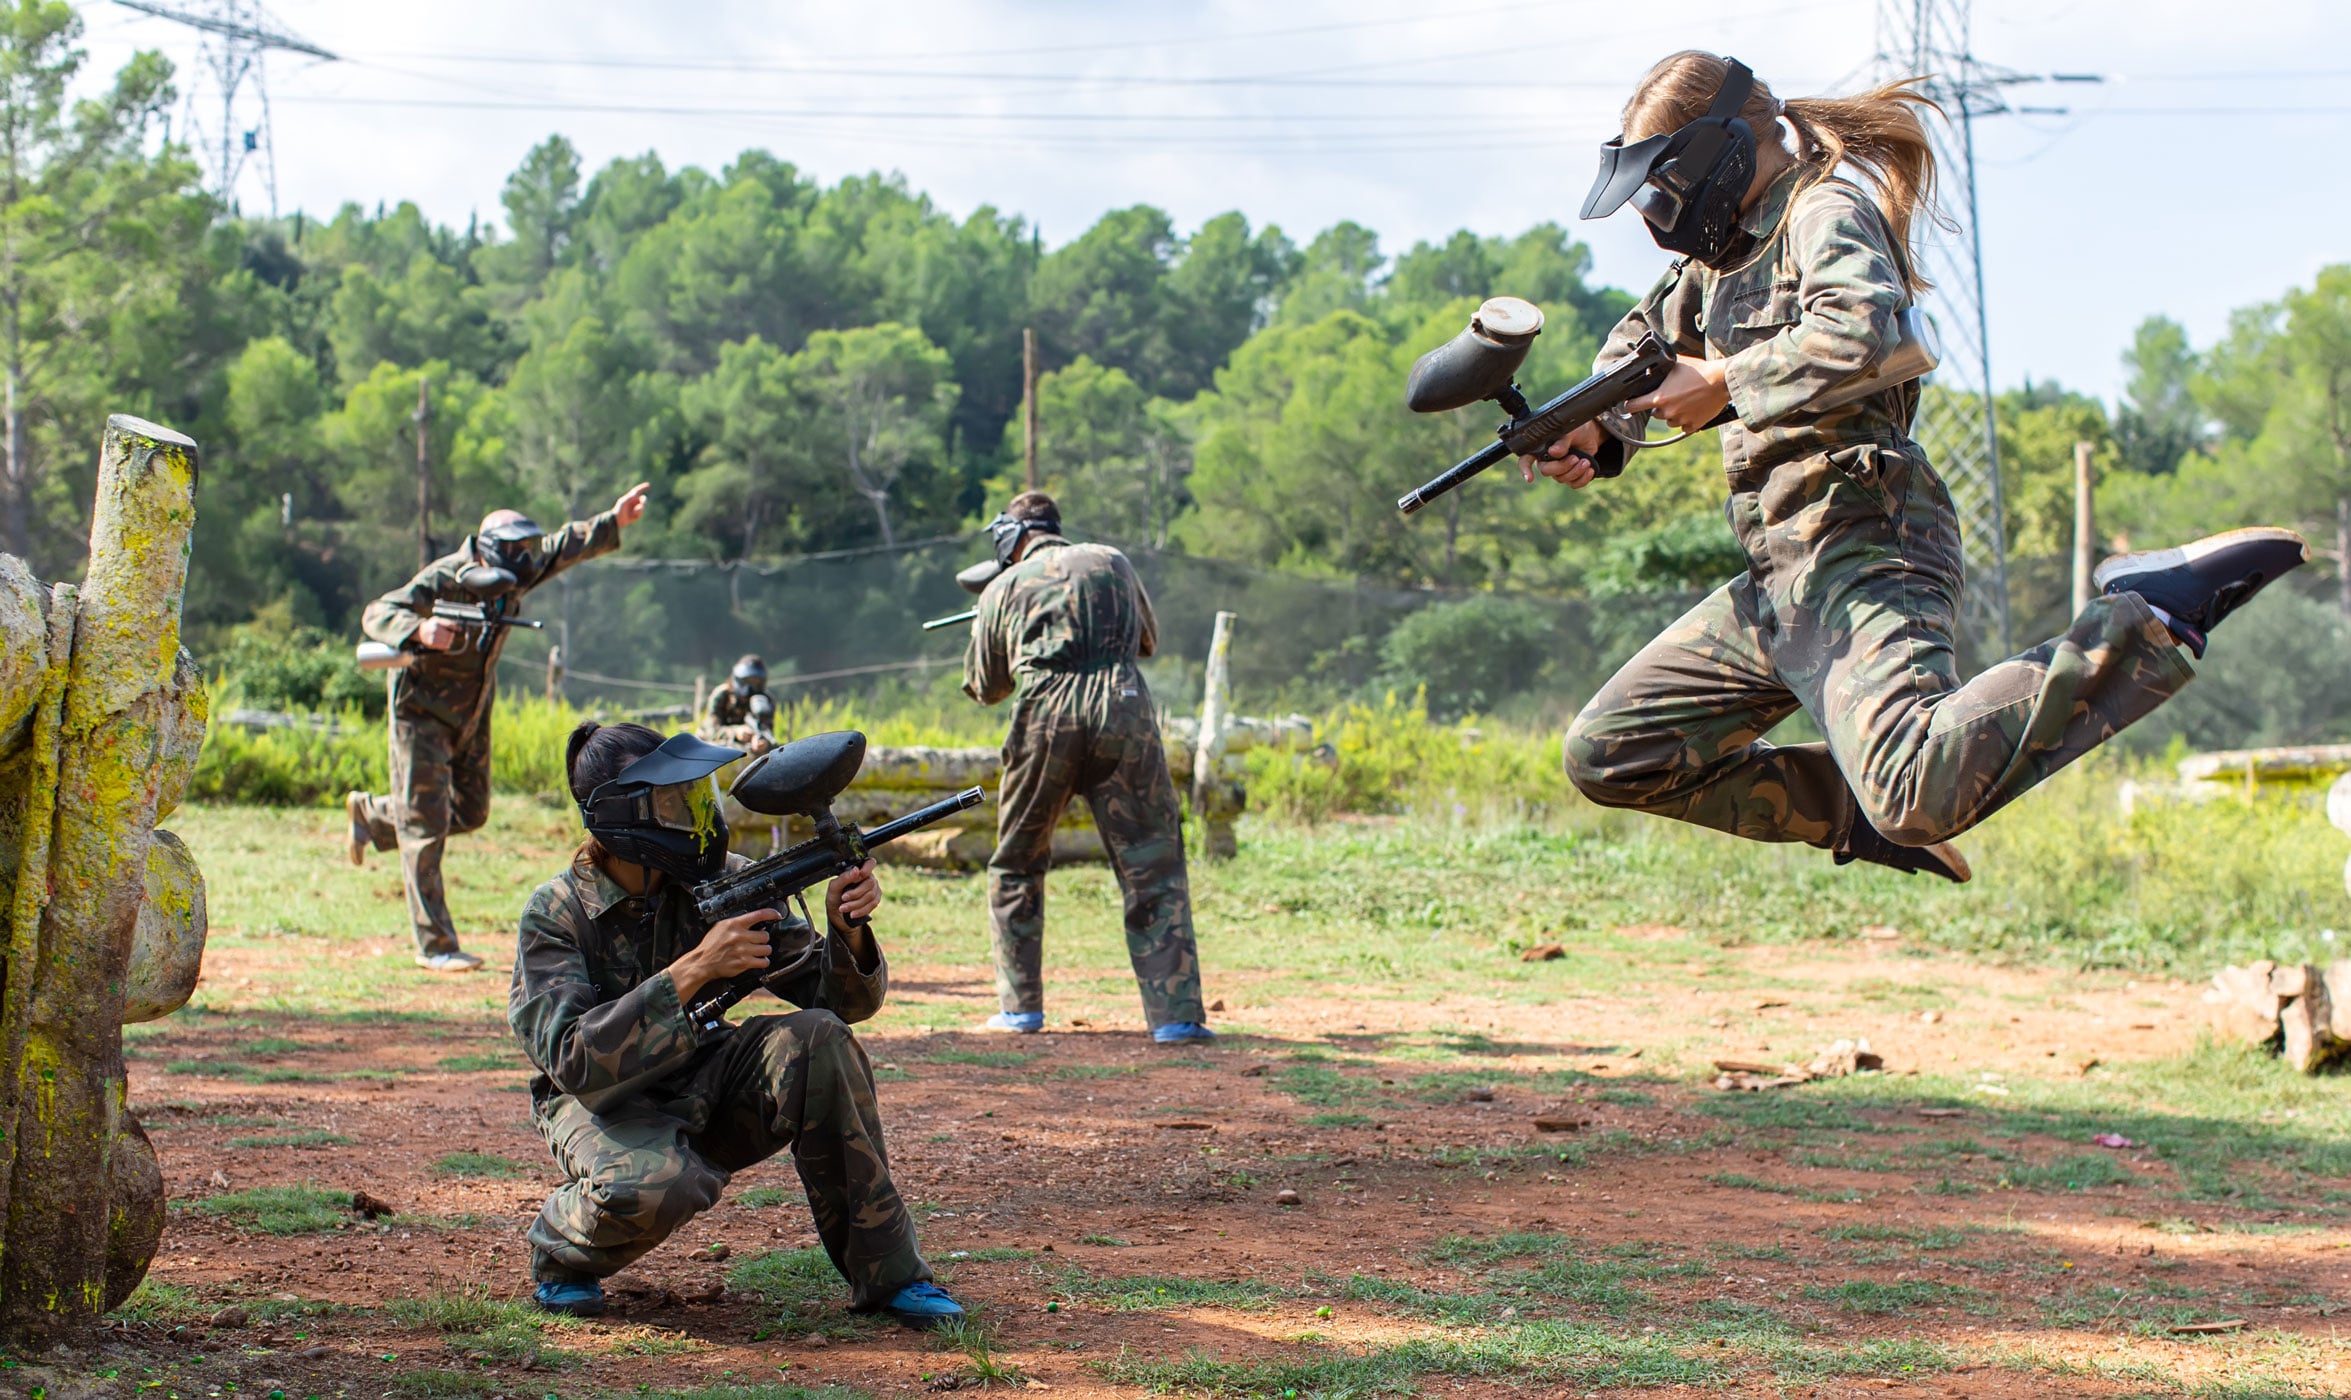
[[1028, 403], [554, 674], [701, 694], [84, 1196], [1216, 706], [2085, 528]]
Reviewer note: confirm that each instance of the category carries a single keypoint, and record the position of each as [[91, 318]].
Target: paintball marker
[[973, 580], [377, 656], [800, 779], [1479, 364]]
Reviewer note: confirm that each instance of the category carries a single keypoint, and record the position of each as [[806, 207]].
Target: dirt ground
[[1059, 1193]]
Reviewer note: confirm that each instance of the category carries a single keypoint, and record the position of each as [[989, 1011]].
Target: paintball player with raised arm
[[441, 704], [1062, 626], [1794, 223], [741, 711], [649, 1109]]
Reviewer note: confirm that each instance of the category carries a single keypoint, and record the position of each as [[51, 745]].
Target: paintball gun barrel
[[938, 622], [800, 779], [1479, 364], [377, 656]]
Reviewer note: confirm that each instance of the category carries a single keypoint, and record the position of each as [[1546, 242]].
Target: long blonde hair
[[1880, 133]]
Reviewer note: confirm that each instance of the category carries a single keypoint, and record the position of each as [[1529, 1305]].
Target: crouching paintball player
[[741, 711], [650, 1109], [1062, 625], [441, 701]]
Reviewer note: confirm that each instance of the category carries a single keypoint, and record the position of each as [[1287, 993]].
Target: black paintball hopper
[[487, 580], [977, 578], [1478, 363], [514, 531], [802, 778]]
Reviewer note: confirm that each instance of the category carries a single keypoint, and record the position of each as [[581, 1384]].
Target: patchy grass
[[279, 1210], [799, 1289], [1158, 1292], [479, 1164], [985, 1059], [492, 1331], [473, 1063], [308, 1137], [1877, 1299]]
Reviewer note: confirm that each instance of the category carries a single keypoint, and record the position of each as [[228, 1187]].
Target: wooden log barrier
[[101, 716]]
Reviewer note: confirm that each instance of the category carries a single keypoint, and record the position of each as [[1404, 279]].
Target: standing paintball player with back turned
[[440, 710], [1062, 625]]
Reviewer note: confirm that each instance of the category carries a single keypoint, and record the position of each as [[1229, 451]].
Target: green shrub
[[1465, 656], [296, 766], [272, 664], [1392, 758]]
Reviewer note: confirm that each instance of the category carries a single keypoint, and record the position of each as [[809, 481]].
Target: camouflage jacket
[[454, 687], [593, 1004], [727, 706], [1064, 610], [1809, 310]]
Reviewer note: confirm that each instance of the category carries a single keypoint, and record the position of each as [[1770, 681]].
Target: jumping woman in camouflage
[[1794, 220]]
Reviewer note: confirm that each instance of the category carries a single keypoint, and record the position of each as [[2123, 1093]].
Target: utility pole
[[422, 420], [1028, 401], [237, 33], [2085, 528], [1928, 39]]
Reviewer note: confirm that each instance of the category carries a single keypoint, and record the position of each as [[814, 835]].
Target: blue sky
[[2200, 177]]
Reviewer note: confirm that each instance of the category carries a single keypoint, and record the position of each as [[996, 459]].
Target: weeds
[[279, 1210], [479, 1164]]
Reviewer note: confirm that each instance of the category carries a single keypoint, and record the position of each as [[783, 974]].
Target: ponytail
[[1879, 133]]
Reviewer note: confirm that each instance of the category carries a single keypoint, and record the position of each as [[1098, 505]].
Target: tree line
[[800, 365]]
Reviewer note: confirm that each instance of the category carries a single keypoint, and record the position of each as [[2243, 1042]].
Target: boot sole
[[2180, 556], [1961, 871]]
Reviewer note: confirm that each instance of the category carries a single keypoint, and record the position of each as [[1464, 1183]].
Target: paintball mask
[[1687, 184], [749, 675], [663, 812], [509, 554], [1004, 535]]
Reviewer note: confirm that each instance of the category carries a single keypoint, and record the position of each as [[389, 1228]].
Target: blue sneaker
[[1016, 1022], [924, 1305], [1178, 1032], [583, 1299]]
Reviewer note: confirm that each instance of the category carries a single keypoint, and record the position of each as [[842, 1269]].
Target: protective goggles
[[1660, 176], [513, 546], [673, 788]]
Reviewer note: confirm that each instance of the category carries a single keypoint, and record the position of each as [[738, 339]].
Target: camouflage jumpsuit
[[1851, 594], [1064, 627], [648, 1117], [441, 721]]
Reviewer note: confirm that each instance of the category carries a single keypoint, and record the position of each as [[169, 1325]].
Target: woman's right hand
[[1567, 461], [731, 948], [438, 634]]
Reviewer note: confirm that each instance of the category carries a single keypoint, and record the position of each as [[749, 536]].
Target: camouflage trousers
[[797, 1081], [1847, 611], [1085, 738], [440, 786]]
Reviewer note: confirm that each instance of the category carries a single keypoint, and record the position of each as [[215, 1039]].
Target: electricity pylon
[[237, 34], [1929, 39]]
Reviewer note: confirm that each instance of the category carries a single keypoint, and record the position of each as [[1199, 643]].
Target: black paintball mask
[[1687, 184], [1005, 534], [509, 555], [663, 811], [749, 675]]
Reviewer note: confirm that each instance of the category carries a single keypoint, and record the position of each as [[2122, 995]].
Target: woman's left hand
[[853, 897], [1693, 392]]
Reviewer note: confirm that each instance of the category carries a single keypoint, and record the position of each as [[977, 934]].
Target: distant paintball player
[[440, 710], [740, 711], [1794, 221], [1062, 625], [650, 1110]]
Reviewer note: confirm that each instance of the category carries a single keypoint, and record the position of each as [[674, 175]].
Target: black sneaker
[[2195, 585], [1867, 843]]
